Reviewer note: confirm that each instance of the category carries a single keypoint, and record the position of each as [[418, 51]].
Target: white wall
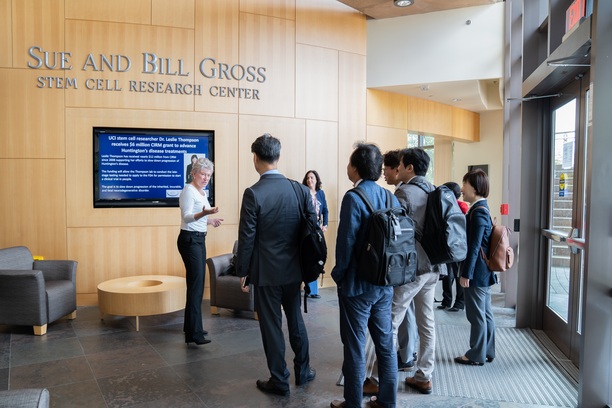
[[436, 47], [488, 151]]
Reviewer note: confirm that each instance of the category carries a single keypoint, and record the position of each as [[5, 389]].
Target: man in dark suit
[[268, 243]]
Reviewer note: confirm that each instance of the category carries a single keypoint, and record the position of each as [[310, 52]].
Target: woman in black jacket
[[476, 278]]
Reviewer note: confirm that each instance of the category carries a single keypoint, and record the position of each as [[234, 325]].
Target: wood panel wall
[[390, 117], [313, 100]]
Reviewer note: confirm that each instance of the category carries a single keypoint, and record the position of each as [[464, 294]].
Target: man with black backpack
[[363, 304], [407, 335], [413, 167]]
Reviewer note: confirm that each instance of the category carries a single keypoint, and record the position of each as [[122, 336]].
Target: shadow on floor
[[106, 363]]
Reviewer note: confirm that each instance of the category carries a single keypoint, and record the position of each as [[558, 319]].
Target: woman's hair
[[194, 156], [317, 184], [202, 164], [479, 180], [368, 160]]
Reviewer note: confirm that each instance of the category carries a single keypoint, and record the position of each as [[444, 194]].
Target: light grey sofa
[[35, 293], [225, 288], [26, 398]]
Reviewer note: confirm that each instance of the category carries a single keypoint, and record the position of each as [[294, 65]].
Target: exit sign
[[574, 13]]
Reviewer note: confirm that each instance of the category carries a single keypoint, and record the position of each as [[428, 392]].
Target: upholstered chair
[[35, 293], [225, 288]]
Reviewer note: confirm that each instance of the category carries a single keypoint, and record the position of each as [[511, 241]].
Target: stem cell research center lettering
[[208, 68]]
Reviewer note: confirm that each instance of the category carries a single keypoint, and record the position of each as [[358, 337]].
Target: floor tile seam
[[95, 378], [193, 391]]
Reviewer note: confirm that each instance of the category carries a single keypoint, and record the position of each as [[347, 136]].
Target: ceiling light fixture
[[403, 3]]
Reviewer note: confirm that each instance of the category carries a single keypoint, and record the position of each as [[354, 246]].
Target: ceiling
[[379, 9], [476, 96]]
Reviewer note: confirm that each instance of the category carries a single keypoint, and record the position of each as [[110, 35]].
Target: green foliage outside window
[[426, 143]]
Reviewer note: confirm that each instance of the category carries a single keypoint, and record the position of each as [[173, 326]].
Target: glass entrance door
[[564, 231]]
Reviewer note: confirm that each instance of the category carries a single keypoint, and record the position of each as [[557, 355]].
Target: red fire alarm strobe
[[503, 209]]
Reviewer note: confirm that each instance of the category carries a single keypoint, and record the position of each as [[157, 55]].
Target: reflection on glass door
[[564, 143]]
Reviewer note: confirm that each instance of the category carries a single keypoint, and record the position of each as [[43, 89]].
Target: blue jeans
[[314, 287], [371, 310]]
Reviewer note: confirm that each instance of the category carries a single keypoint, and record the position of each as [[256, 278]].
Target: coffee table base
[[144, 295]]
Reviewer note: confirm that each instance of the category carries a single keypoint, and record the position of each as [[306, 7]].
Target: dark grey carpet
[[524, 371]]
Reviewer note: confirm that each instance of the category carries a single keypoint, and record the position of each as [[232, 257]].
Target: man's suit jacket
[[354, 216], [268, 235], [478, 231]]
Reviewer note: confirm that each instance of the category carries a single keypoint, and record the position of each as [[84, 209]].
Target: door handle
[[573, 242], [571, 239]]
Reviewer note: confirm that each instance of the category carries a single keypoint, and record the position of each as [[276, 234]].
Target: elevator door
[[564, 231]]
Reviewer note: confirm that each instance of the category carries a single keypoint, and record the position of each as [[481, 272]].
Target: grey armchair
[[26, 398], [225, 288], [35, 293]]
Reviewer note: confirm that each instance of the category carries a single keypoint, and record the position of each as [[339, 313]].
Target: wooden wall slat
[[387, 109], [466, 125], [216, 36], [443, 151], [331, 25], [175, 13], [429, 117], [130, 40], [290, 132], [121, 11], [33, 205], [6, 34], [387, 138], [284, 9], [270, 43], [321, 155], [36, 23], [31, 119], [109, 253], [316, 74], [351, 112]]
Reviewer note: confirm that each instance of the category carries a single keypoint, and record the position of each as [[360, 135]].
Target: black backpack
[[313, 248], [444, 237], [389, 256]]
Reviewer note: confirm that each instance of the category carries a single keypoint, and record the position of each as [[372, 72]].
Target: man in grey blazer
[[412, 170], [268, 243]]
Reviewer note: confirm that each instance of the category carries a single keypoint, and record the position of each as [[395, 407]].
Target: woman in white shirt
[[191, 243]]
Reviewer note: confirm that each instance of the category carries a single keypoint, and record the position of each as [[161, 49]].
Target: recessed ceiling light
[[456, 99], [403, 3]]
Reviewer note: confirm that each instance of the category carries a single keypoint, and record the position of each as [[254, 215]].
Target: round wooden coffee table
[[143, 295]]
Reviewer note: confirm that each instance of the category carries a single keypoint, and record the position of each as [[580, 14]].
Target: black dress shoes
[[199, 341], [312, 373], [267, 386], [466, 361]]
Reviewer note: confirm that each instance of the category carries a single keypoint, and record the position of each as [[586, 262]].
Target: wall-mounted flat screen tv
[[146, 167]]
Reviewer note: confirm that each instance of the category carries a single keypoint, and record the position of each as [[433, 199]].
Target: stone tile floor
[[89, 362]]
